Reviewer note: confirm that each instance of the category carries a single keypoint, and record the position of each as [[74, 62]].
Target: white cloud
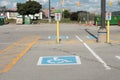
[[71, 2], [114, 0], [94, 0], [87, 5], [5, 3], [43, 1], [14, 4]]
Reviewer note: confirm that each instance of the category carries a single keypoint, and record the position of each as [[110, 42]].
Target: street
[[30, 52]]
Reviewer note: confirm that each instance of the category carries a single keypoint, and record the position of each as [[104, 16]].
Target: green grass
[[65, 20], [41, 21]]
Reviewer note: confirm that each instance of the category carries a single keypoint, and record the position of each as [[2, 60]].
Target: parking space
[[77, 57]]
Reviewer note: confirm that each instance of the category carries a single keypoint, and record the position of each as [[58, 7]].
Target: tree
[[30, 7], [21, 9], [66, 14], [74, 16]]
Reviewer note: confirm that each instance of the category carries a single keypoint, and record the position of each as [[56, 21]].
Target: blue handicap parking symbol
[[92, 37], [59, 60], [55, 37]]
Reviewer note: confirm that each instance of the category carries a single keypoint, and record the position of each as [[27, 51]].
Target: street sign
[[59, 60], [108, 16], [57, 16]]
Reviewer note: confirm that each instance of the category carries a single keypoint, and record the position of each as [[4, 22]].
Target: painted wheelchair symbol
[[57, 60]]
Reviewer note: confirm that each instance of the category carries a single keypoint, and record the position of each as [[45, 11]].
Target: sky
[[86, 5]]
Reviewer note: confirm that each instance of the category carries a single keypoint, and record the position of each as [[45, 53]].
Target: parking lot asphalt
[[30, 52]]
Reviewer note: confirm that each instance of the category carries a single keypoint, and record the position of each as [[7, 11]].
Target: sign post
[[108, 18], [58, 32], [58, 18]]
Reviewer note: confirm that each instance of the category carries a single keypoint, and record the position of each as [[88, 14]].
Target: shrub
[[74, 16]]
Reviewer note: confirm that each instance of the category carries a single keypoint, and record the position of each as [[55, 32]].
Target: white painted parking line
[[94, 54], [118, 57]]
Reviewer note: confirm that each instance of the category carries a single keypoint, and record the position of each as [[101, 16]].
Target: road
[[23, 47]]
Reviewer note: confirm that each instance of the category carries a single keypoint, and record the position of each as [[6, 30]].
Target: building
[[116, 13], [12, 13], [83, 16], [46, 11]]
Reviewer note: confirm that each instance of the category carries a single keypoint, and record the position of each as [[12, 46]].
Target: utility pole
[[62, 4], [119, 3], [103, 12], [102, 30], [49, 17]]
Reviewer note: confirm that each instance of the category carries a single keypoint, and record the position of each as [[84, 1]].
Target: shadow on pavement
[[91, 34]]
